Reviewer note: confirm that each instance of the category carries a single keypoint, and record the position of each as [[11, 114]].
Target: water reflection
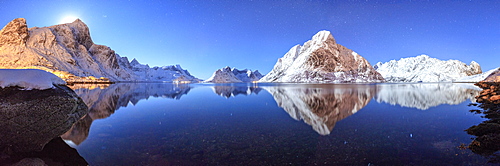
[[204, 129], [322, 106], [103, 100], [232, 91], [424, 96]]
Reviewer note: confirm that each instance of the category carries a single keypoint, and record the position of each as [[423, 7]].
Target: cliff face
[[68, 51], [322, 60]]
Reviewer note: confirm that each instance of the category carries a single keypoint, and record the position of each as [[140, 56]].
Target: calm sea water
[[276, 124]]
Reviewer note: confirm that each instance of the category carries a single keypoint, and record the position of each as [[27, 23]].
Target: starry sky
[[203, 35]]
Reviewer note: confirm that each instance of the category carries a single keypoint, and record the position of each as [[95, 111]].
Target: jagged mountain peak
[[14, 33], [322, 60], [134, 62], [323, 36], [232, 75]]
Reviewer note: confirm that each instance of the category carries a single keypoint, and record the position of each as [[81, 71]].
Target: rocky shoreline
[[487, 133], [490, 93]]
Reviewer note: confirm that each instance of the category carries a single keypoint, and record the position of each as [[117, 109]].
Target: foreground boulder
[[31, 118]]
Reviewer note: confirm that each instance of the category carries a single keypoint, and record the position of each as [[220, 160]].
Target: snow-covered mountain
[[172, 73], [425, 69], [68, 51], [320, 107], [424, 96], [322, 60], [477, 77], [228, 75]]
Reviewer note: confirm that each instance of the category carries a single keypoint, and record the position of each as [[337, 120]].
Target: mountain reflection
[[103, 100], [424, 96], [322, 106], [228, 91]]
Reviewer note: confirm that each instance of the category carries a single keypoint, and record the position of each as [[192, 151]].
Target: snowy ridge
[[321, 108], [477, 77], [425, 69], [228, 75], [494, 76], [68, 51], [424, 96], [322, 60], [29, 79], [173, 73]]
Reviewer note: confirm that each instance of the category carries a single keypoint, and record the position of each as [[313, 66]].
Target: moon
[[67, 19]]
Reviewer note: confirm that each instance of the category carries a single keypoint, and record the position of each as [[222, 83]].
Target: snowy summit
[[29, 79], [322, 60]]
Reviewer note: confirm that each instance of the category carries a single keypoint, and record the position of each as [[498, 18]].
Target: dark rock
[[31, 118], [56, 152], [487, 140]]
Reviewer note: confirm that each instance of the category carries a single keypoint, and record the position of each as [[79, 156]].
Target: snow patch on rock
[[29, 79], [493, 76], [476, 77]]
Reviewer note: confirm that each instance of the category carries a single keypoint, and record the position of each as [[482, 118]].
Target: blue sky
[[203, 36]]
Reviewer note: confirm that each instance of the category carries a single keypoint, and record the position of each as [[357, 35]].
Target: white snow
[[425, 69], [141, 72], [29, 79], [477, 77]]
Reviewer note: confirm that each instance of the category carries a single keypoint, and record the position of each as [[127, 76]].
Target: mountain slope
[[476, 77], [425, 69], [322, 60], [66, 50], [494, 76]]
